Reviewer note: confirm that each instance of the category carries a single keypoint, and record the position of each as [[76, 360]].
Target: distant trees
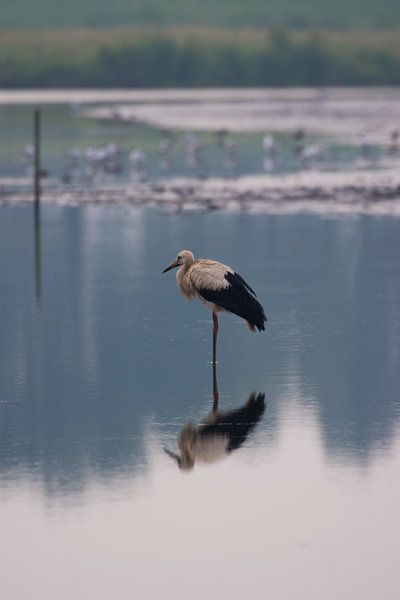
[[157, 59]]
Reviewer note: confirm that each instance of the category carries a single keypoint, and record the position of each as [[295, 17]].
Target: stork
[[221, 290]]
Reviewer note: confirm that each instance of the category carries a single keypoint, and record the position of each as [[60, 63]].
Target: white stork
[[221, 290]]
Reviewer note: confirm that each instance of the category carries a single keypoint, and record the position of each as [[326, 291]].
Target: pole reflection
[[37, 255]]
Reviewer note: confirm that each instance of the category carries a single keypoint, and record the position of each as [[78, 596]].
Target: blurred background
[[156, 43], [278, 88]]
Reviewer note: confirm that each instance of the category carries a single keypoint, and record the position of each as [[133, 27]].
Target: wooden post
[[36, 147]]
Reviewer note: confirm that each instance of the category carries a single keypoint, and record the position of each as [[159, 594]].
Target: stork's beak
[[171, 266], [173, 455]]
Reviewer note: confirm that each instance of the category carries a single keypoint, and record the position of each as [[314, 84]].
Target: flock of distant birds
[[93, 165]]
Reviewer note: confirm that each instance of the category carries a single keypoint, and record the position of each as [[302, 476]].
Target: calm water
[[102, 364]]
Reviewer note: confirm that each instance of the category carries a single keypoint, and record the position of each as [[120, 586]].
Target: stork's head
[[185, 258]]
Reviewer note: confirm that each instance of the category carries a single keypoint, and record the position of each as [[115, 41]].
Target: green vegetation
[[293, 14], [142, 57]]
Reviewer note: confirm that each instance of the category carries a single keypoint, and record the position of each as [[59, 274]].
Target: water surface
[[102, 365]]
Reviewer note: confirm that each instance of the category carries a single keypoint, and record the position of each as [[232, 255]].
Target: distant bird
[[138, 161], [229, 161], [270, 153], [310, 154], [219, 434], [269, 144], [220, 289], [165, 150]]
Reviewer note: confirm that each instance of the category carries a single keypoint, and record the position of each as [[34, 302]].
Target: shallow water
[[102, 365], [72, 146]]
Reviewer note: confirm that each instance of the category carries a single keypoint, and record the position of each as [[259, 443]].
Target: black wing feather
[[235, 278], [238, 299]]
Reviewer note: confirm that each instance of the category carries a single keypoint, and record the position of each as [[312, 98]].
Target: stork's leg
[[215, 331], [214, 362]]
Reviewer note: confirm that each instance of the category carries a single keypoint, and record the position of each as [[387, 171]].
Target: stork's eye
[[179, 257]]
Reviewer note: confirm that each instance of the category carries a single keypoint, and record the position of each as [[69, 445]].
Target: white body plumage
[[203, 274]]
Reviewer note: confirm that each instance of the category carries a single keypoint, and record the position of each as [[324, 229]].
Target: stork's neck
[[181, 272], [184, 268], [184, 283]]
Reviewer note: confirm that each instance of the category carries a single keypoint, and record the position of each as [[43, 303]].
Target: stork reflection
[[220, 433]]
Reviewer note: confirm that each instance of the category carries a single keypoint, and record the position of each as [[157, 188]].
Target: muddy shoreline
[[349, 193]]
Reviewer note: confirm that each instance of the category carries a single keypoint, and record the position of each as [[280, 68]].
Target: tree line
[[279, 58]]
